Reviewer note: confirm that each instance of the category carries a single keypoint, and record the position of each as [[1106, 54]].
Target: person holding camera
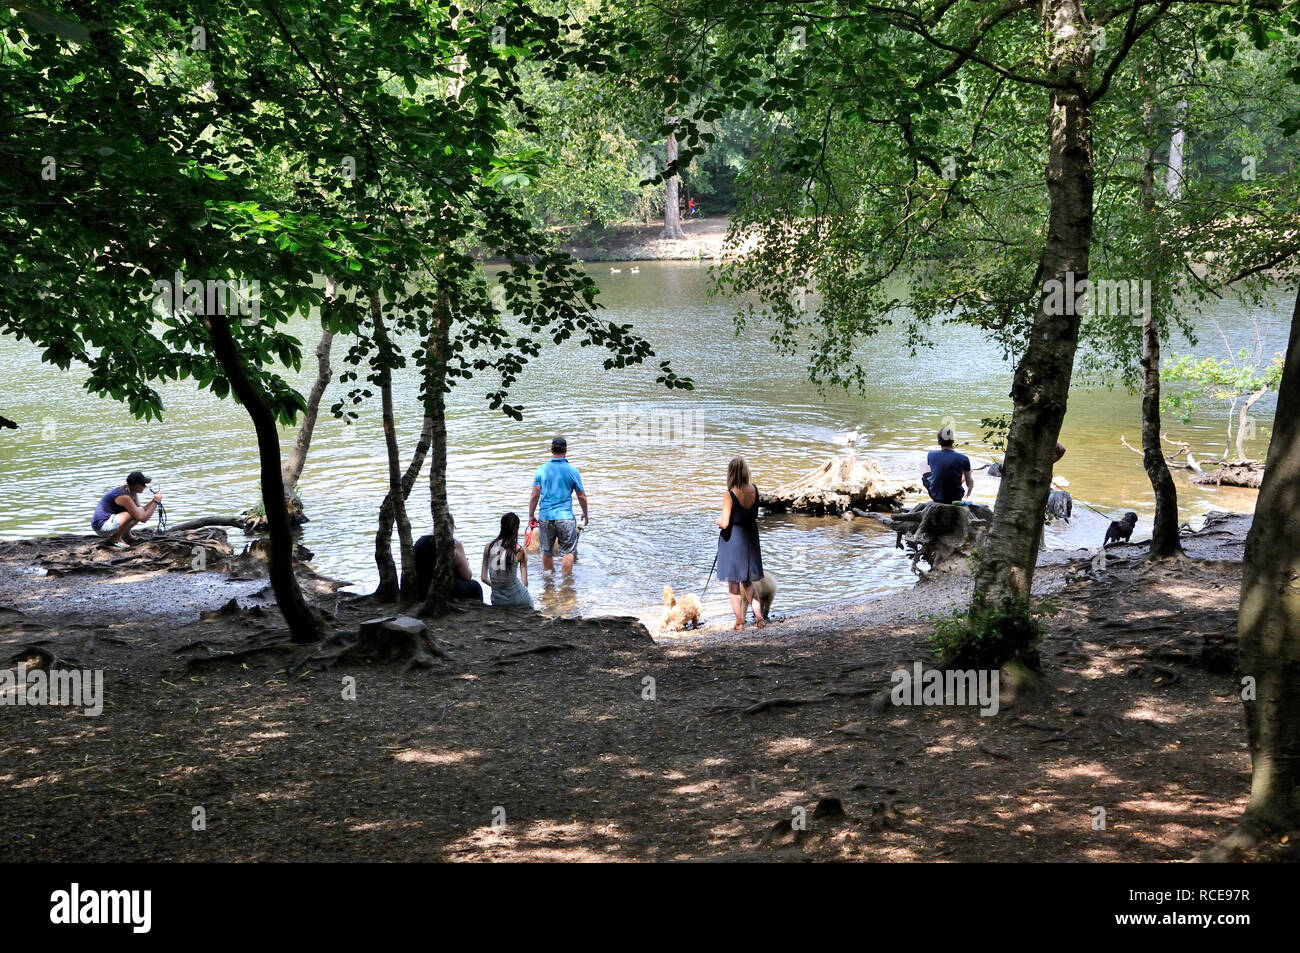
[[118, 511]]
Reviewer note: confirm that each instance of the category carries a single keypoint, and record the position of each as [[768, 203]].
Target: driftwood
[[841, 484], [942, 534], [1245, 473], [206, 521], [173, 550]]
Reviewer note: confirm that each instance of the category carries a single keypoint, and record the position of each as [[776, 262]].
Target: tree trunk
[[388, 582], [303, 625], [1174, 177], [1004, 568], [672, 211], [1165, 543], [1268, 623], [435, 409], [298, 455], [406, 584], [1241, 422]]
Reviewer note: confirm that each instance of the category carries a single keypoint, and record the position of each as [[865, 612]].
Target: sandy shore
[[704, 241]]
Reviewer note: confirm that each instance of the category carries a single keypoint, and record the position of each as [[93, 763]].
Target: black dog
[[1061, 505], [1120, 530]]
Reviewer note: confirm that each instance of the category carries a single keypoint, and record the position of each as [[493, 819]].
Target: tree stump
[[384, 641], [839, 486], [942, 534]]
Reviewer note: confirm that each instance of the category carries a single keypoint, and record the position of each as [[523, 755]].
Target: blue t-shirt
[[947, 467], [558, 479]]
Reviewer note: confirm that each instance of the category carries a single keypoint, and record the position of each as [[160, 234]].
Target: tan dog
[[533, 540], [681, 612], [765, 589]]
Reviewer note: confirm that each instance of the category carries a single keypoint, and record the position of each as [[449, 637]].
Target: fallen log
[[841, 484], [207, 521]]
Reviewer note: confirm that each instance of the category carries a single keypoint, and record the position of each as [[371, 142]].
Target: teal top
[[559, 479]]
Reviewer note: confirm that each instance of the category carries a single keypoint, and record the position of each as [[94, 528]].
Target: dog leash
[[710, 579]]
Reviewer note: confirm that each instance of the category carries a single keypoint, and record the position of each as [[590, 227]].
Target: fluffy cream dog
[[681, 612], [765, 589]]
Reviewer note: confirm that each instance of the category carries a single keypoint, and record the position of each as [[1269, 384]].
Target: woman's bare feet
[[760, 623], [737, 626]]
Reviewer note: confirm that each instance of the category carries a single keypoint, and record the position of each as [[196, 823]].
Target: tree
[[169, 141], [672, 194], [1268, 627], [916, 77], [324, 374], [1242, 379]]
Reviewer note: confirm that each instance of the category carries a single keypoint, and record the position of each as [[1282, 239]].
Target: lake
[[653, 462]]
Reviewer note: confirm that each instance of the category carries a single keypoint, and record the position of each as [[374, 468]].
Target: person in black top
[[949, 470], [463, 584], [740, 562]]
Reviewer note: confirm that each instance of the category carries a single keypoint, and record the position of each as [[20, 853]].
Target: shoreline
[[156, 594], [705, 241]]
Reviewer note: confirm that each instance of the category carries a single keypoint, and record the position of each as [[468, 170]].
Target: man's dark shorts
[[563, 533]]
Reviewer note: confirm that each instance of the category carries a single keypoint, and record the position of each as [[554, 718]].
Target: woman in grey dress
[[501, 559], [740, 562]]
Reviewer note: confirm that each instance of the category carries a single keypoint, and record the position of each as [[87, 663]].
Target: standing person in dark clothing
[[740, 562], [948, 470], [118, 512]]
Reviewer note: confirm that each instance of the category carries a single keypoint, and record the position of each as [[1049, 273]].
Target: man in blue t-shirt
[[551, 506], [948, 470]]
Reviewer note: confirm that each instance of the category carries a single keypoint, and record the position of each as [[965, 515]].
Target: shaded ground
[[552, 729]]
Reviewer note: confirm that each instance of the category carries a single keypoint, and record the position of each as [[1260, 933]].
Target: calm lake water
[[653, 462]]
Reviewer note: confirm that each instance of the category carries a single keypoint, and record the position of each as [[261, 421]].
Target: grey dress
[[503, 571]]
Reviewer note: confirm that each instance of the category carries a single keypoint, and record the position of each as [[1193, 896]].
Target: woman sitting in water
[[500, 559], [740, 563]]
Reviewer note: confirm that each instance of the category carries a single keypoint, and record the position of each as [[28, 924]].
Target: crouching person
[[118, 511]]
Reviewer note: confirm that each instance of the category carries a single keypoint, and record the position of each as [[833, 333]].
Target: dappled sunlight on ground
[[746, 749]]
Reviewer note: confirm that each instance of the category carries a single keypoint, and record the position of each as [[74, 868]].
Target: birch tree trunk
[[389, 586], [435, 409], [1004, 569], [672, 209], [324, 373]]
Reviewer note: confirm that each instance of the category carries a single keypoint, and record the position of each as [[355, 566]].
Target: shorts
[[563, 532], [110, 526]]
